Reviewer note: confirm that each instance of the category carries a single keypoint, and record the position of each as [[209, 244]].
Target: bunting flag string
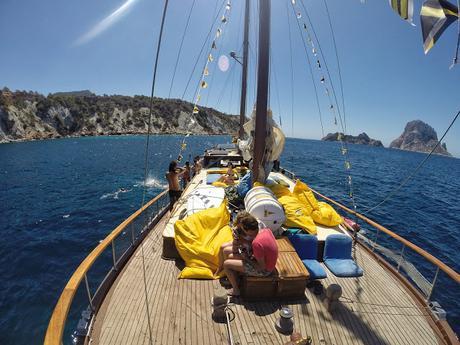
[[332, 108], [203, 84], [435, 17], [205, 73]]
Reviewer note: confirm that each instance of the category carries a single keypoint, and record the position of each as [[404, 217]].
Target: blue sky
[[52, 45]]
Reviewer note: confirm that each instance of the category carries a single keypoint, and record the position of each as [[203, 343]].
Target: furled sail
[[435, 17], [274, 144]]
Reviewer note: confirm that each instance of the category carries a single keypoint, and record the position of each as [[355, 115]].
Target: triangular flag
[[435, 17], [195, 110], [204, 85]]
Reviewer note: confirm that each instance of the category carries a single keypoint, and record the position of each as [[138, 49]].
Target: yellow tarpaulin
[[326, 215], [297, 215], [302, 209], [198, 239]]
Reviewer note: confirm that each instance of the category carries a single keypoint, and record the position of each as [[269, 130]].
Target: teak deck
[[374, 309]]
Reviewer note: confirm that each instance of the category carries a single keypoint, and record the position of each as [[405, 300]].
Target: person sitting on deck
[[239, 245], [229, 177], [258, 262], [173, 174]]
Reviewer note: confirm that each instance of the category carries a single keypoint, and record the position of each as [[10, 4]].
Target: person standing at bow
[[173, 174]]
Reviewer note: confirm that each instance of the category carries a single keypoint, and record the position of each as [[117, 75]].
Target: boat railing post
[[133, 239], [90, 298], [114, 256], [402, 256], [433, 284], [374, 243], [156, 208]]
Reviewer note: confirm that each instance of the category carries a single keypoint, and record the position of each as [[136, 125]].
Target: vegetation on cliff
[[30, 115], [362, 139]]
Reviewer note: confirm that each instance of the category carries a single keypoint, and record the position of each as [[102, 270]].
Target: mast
[[244, 74], [262, 88]]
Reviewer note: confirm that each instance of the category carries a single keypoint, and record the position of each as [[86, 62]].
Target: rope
[[338, 64], [180, 47], [325, 65], [230, 71], [292, 72], [458, 38], [146, 162], [277, 91], [344, 146], [311, 74], [201, 50], [410, 175]]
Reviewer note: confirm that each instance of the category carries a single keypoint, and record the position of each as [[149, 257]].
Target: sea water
[[59, 198]]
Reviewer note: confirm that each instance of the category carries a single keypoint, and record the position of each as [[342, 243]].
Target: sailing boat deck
[[374, 309]]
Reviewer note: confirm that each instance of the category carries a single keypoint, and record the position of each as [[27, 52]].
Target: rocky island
[[30, 115], [362, 139], [421, 137]]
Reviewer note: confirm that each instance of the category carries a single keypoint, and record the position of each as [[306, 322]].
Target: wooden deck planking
[[180, 310]]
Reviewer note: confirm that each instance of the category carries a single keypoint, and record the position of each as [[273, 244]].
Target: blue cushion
[[210, 178], [315, 269], [244, 185], [337, 247], [343, 267], [305, 245]]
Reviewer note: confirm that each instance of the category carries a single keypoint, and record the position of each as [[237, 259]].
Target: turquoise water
[[59, 198]]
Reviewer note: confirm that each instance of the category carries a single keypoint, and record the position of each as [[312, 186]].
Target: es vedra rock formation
[[421, 137]]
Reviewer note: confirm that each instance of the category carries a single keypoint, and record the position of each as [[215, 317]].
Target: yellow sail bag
[[297, 215], [326, 215], [198, 240]]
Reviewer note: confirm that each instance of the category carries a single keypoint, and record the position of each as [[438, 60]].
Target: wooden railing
[[405, 243], [148, 215]]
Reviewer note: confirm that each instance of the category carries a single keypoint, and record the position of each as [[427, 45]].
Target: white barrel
[[263, 205]]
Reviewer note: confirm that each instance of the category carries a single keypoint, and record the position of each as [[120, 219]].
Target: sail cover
[[274, 144]]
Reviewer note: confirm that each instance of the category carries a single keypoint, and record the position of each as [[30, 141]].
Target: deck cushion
[[305, 245], [315, 269], [343, 267], [210, 178], [337, 257]]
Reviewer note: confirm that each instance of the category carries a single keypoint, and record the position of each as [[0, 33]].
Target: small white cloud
[[106, 23]]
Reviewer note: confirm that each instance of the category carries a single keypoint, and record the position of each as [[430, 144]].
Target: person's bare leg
[[231, 268], [222, 255]]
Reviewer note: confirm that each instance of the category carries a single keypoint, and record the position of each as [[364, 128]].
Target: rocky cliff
[[419, 136], [29, 115], [362, 139]]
